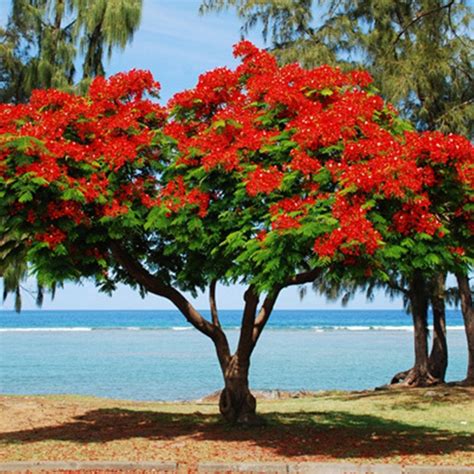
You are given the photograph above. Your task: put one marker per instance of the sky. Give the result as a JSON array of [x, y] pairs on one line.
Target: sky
[[176, 44]]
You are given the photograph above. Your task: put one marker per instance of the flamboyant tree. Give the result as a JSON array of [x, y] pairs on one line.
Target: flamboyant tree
[[423, 255], [262, 175]]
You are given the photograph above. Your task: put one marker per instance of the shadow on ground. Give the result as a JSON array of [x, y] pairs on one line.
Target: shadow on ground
[[333, 434]]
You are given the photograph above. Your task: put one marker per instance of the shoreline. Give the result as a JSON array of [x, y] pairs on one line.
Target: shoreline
[[262, 395]]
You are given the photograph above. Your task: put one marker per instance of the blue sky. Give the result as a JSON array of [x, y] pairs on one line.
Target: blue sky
[[177, 44]]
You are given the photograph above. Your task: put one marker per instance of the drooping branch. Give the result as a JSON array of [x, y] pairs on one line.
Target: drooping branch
[[213, 304], [152, 284]]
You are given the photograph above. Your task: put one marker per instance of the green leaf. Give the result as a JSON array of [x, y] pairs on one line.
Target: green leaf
[[326, 91], [25, 197]]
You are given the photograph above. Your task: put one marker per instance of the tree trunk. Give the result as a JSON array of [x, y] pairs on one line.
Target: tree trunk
[[468, 315], [419, 375], [236, 403], [438, 361]]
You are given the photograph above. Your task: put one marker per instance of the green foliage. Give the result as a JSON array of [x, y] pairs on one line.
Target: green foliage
[[44, 39]]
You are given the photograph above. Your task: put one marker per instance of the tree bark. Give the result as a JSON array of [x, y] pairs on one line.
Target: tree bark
[[419, 375], [438, 361], [468, 316], [236, 403]]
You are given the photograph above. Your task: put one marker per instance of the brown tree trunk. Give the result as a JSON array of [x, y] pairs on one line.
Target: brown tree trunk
[[438, 361], [236, 403], [419, 375], [468, 315]]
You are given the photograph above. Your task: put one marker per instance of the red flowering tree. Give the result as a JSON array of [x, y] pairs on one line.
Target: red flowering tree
[[261, 175], [432, 235]]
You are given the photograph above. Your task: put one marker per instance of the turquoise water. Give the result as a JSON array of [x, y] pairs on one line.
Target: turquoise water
[[156, 356]]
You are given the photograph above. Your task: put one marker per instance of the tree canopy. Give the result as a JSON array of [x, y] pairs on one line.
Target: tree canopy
[[263, 175]]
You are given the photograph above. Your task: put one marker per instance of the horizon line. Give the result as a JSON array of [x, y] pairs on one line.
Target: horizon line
[[207, 309]]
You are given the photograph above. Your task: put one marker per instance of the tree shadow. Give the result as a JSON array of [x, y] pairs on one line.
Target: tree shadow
[[334, 434]]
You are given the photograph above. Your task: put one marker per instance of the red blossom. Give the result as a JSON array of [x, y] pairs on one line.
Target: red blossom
[[304, 163], [53, 237], [416, 217], [263, 180]]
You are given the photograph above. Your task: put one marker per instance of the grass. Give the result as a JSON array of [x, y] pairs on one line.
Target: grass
[[416, 426]]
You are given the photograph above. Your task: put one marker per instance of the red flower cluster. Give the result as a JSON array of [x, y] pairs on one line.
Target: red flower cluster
[[264, 180], [354, 236], [288, 212], [276, 145], [416, 217], [68, 209], [304, 163], [76, 143], [175, 196], [53, 237]]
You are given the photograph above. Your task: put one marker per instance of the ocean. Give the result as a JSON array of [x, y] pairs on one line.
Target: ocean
[[156, 355]]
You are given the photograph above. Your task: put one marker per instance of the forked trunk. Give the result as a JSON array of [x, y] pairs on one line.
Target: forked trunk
[[468, 315], [419, 375], [236, 403], [438, 361]]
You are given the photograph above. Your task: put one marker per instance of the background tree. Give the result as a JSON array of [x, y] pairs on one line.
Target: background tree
[[45, 39]]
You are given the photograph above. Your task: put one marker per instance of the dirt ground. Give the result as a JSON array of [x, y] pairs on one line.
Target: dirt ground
[[419, 427]]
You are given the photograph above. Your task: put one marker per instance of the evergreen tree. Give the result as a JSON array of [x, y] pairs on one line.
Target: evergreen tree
[[419, 51], [44, 39]]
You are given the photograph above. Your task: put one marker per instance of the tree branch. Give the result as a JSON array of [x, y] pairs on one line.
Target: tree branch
[[304, 277], [152, 284], [418, 17], [395, 286], [212, 303], [245, 345], [455, 107], [264, 313]]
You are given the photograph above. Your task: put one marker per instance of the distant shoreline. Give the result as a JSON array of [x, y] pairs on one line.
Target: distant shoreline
[[232, 328]]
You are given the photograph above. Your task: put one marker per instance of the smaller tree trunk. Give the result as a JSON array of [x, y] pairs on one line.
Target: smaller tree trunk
[[438, 361], [468, 315], [236, 403], [419, 375]]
